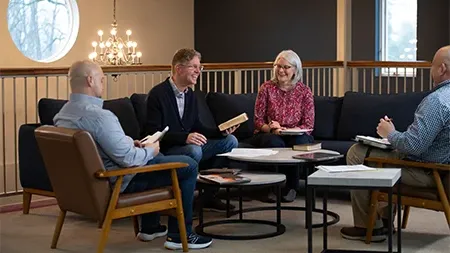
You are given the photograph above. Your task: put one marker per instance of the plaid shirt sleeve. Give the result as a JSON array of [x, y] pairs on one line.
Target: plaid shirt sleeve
[[429, 120]]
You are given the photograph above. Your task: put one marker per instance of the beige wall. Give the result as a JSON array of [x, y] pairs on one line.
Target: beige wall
[[159, 26]]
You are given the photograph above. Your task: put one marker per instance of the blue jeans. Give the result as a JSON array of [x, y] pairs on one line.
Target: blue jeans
[[187, 178], [269, 140], [208, 151]]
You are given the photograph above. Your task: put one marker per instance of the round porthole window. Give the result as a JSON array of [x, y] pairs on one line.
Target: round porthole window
[[43, 30]]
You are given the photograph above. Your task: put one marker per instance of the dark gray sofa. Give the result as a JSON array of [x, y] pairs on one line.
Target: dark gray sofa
[[338, 120]]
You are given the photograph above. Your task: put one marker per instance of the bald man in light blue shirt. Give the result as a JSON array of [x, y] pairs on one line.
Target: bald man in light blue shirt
[[85, 111]]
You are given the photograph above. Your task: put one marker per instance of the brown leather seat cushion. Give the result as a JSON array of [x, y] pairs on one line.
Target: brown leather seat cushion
[[418, 192], [131, 199]]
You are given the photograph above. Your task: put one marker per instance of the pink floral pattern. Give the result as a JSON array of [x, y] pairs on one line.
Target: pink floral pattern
[[294, 108]]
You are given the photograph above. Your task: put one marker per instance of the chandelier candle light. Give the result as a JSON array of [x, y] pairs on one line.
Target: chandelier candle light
[[114, 50]]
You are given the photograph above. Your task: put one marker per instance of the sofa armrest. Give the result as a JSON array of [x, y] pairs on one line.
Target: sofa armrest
[[31, 166]]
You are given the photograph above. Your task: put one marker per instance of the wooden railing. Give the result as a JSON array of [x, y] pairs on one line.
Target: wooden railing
[[22, 88], [388, 77]]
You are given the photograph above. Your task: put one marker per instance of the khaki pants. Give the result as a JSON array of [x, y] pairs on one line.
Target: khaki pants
[[361, 198]]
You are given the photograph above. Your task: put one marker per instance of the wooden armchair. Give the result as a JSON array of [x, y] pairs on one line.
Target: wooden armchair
[[81, 184], [429, 198]]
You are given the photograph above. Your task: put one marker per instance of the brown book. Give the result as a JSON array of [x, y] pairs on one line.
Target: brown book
[[224, 179], [307, 147], [233, 122]]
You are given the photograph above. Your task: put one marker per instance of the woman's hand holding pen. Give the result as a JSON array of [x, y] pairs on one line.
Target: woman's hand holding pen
[[275, 127], [274, 124], [385, 127]]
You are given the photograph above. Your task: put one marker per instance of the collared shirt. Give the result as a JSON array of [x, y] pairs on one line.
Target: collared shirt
[[293, 108], [116, 149], [179, 97], [428, 137]]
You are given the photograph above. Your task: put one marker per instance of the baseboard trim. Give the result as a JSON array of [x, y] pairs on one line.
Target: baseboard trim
[[34, 204]]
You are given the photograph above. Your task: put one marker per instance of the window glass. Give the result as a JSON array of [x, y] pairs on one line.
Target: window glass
[[43, 30]]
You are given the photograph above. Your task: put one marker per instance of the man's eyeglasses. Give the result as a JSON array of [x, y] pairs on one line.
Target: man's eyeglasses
[[200, 68], [285, 67]]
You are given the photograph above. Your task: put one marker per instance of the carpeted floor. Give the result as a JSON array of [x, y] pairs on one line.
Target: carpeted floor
[[427, 232]]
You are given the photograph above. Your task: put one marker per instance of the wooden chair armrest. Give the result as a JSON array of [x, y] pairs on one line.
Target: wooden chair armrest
[[132, 170], [403, 163]]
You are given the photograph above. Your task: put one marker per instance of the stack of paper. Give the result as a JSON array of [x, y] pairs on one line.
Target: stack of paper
[[345, 168], [249, 152]]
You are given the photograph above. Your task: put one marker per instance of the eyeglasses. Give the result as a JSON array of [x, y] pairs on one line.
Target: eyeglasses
[[200, 68], [285, 67]]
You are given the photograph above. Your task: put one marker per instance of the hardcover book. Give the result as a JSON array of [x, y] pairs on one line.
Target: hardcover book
[[233, 122], [307, 147]]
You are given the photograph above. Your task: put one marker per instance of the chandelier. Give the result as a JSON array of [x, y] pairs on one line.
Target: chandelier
[[114, 50]]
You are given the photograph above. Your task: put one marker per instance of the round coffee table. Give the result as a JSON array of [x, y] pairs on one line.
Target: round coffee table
[[257, 179], [284, 158]]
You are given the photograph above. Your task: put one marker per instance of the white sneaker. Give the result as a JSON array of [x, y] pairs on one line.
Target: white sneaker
[[160, 231], [194, 242]]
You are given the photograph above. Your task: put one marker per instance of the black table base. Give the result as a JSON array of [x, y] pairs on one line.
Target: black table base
[[279, 228], [310, 206], [335, 216], [309, 168]]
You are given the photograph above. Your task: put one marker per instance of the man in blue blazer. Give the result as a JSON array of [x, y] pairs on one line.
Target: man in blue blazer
[[172, 103]]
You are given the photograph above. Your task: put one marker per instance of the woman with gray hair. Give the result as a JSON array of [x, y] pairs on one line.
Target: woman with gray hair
[[284, 102]]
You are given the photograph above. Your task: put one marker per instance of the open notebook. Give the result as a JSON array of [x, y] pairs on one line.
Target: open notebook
[[374, 142], [294, 131], [155, 137]]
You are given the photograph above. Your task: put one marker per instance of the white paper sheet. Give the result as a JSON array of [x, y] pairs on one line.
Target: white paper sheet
[[345, 168], [249, 152]]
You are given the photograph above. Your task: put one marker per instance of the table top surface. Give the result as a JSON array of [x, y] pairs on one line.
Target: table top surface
[[257, 178], [284, 155], [386, 177]]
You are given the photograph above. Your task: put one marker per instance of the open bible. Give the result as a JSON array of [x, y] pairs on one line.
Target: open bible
[[233, 122], [374, 142], [155, 137]]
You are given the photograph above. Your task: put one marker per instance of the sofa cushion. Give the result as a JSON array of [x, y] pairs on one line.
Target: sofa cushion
[[48, 108], [226, 106], [340, 146], [205, 115], [139, 102], [31, 166], [121, 107], [361, 112], [327, 113]]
